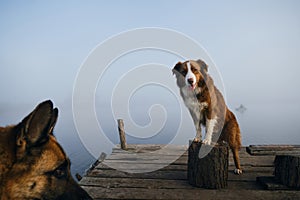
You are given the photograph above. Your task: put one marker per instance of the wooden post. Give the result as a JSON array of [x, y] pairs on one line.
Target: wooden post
[[122, 134], [210, 171], [78, 177], [287, 170]]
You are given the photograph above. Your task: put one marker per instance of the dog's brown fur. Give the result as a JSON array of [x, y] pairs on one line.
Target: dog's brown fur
[[211, 105], [32, 163]]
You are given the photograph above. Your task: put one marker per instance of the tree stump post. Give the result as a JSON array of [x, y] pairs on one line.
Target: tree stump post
[[287, 170], [122, 134], [210, 171]]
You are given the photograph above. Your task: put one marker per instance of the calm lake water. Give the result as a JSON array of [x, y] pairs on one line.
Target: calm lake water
[[260, 124]]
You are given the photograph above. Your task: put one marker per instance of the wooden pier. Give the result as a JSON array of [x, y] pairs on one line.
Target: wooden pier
[[170, 182]]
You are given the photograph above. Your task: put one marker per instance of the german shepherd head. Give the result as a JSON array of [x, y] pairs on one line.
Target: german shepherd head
[[32, 163]]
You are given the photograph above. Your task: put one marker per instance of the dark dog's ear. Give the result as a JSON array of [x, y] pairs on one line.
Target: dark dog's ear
[[53, 121], [36, 127], [177, 68], [202, 65]]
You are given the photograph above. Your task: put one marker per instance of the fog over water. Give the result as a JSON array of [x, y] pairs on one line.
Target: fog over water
[[254, 45]]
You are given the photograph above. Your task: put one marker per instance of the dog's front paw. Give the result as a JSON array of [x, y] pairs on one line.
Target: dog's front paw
[[206, 141], [196, 140], [238, 171]]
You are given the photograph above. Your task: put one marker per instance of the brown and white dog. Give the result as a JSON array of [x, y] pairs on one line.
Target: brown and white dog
[[207, 107]]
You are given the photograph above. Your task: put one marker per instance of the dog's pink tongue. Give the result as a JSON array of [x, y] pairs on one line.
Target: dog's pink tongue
[[191, 87]]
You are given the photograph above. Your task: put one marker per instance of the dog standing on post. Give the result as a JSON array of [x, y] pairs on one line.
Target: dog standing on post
[[207, 107]]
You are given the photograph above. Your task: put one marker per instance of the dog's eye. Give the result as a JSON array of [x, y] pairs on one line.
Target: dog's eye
[[194, 70], [182, 72], [60, 173]]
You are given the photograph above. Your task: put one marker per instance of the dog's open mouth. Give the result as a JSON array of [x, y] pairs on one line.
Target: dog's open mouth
[[192, 86]]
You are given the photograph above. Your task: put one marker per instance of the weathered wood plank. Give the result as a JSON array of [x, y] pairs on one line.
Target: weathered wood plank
[[124, 166], [143, 157], [145, 160], [141, 193], [254, 169], [256, 161], [175, 167], [155, 183], [275, 146], [170, 150], [119, 153], [270, 183], [273, 149], [170, 175], [142, 148], [250, 161], [135, 183], [170, 182]]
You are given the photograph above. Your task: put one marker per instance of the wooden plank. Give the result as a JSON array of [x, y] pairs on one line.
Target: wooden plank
[[270, 183], [160, 149], [135, 183], [170, 182], [257, 161], [124, 166], [249, 176], [254, 169], [143, 157], [170, 175], [174, 167], [273, 149], [143, 193], [145, 160], [140, 167], [250, 161], [275, 146], [142, 148], [155, 183]]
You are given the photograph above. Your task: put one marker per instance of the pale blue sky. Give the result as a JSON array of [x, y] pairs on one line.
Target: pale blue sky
[[255, 45]]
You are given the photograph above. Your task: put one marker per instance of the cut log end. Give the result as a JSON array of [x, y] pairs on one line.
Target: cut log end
[[287, 170], [210, 171]]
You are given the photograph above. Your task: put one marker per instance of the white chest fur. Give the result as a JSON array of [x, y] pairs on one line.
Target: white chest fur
[[195, 107]]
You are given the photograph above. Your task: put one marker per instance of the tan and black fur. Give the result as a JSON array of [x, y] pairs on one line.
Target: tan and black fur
[[32, 163], [207, 107]]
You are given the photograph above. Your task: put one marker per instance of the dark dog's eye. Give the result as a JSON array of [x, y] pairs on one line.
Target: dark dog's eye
[[60, 172], [195, 70], [182, 72]]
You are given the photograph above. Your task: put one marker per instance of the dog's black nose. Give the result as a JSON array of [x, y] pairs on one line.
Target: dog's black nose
[[190, 81]]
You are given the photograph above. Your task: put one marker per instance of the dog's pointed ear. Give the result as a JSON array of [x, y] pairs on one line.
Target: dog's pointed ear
[[36, 127], [177, 68], [53, 121], [202, 65]]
